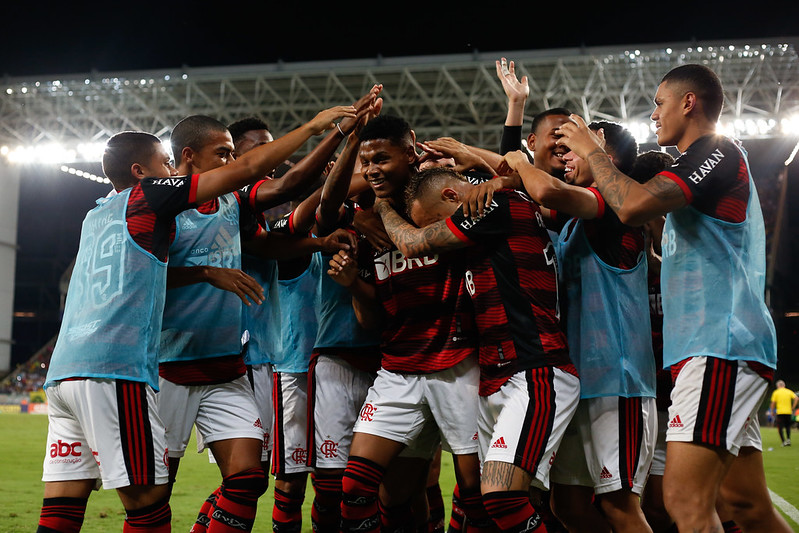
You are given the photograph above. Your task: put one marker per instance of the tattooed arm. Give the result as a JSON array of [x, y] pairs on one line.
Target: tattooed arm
[[413, 241], [633, 202]]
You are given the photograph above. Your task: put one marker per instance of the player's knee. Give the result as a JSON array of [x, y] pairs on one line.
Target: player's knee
[[252, 483]]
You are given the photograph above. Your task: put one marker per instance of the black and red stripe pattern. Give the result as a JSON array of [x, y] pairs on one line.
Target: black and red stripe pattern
[[278, 444], [512, 280], [429, 325], [631, 436], [539, 419], [62, 515], [715, 404], [136, 434]]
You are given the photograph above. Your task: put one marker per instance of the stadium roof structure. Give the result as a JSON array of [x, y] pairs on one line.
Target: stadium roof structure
[[449, 95]]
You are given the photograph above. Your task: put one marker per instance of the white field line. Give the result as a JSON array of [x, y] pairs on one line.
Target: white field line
[[784, 506]]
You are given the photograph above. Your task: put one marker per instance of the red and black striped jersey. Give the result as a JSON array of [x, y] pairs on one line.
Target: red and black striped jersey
[[714, 177], [152, 207], [430, 326], [512, 279]]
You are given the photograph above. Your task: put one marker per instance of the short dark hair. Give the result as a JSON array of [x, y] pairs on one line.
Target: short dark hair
[[650, 164], [240, 127], [701, 81], [619, 143], [389, 127], [193, 132], [122, 151], [425, 180], [540, 117]]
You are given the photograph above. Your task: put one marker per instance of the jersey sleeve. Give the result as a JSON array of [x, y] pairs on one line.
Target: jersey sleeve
[[167, 197], [249, 223], [714, 178], [495, 221]]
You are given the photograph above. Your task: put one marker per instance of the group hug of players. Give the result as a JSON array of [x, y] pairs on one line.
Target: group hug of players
[[493, 305]]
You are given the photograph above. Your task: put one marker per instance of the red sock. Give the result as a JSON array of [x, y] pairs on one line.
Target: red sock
[[287, 512], [237, 501], [63, 515], [359, 488], [731, 527], [326, 509], [155, 518], [477, 518], [456, 517], [512, 512], [204, 516]]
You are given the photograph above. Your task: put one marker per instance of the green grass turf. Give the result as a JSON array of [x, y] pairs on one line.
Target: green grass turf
[[22, 437]]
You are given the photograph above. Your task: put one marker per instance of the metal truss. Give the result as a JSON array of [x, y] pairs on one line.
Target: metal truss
[[455, 95]]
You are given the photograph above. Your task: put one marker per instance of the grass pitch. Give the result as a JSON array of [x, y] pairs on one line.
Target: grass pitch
[[23, 439]]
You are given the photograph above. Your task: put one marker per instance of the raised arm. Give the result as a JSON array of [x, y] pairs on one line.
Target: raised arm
[[275, 192], [633, 202], [260, 161]]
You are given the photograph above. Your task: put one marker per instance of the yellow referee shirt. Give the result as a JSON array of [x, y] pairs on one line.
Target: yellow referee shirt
[[782, 399]]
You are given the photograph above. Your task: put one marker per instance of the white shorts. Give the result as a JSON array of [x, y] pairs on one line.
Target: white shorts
[[105, 429], [290, 436], [715, 402], [524, 421], [221, 411], [603, 459], [398, 406], [658, 467], [260, 377], [337, 392]]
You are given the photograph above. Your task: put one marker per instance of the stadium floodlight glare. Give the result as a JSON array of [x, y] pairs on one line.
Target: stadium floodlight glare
[[54, 153]]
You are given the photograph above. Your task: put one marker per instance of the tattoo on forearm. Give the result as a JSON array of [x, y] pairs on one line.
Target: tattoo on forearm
[[615, 186], [413, 241]]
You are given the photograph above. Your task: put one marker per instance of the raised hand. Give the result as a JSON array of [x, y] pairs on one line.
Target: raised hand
[[326, 119], [364, 107], [580, 140], [515, 89], [337, 241]]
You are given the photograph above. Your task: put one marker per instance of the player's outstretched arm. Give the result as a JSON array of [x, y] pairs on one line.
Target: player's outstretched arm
[[633, 202], [262, 160], [417, 242], [550, 192], [228, 279], [280, 246], [275, 192]]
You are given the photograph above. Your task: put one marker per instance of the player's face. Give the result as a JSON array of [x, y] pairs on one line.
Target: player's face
[[547, 155], [668, 116], [251, 139], [577, 171], [216, 152], [386, 166], [160, 164]]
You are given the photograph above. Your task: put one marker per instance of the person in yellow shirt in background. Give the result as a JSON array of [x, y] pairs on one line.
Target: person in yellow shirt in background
[[783, 403]]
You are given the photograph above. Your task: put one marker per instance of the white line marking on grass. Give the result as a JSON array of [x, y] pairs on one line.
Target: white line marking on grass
[[784, 506]]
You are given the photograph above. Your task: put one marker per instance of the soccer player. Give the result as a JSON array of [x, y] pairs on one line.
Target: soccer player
[[718, 336], [428, 370], [107, 347], [202, 373], [528, 387]]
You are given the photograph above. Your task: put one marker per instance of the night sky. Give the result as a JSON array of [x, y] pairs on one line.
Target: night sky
[[79, 37]]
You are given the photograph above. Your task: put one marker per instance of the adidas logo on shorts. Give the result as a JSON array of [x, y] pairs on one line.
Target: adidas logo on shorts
[[499, 443], [605, 473], [676, 422], [258, 424]]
